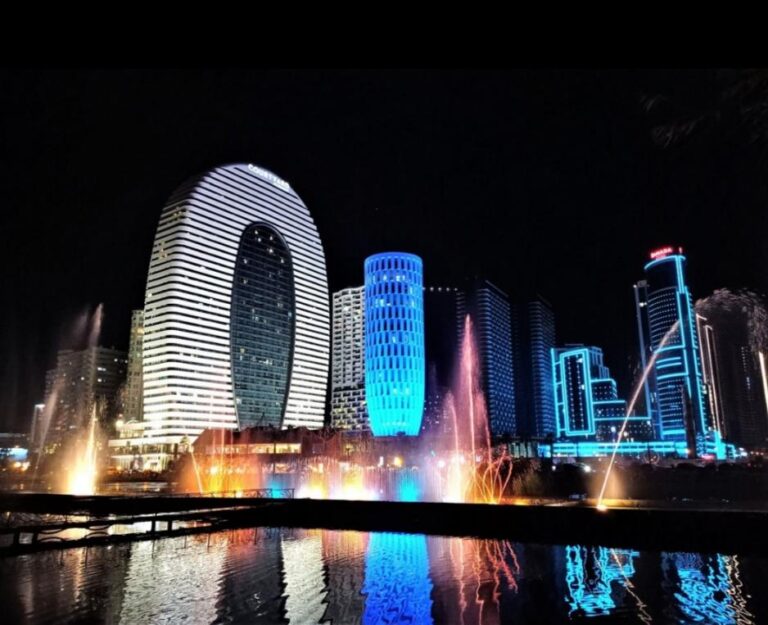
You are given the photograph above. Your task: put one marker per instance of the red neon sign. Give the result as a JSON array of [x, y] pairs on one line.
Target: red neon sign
[[662, 252]]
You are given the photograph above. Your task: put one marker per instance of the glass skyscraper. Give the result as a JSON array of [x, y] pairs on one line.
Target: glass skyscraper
[[675, 390], [488, 307], [394, 343], [236, 316], [533, 325]]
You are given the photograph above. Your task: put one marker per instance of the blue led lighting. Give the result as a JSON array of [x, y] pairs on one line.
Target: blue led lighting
[[397, 586], [394, 343], [677, 375], [703, 587], [595, 577], [598, 449], [586, 397]]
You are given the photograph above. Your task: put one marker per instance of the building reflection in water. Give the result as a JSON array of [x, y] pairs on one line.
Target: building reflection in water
[[705, 588], [305, 587], [597, 579], [174, 581], [62, 586], [251, 585], [317, 576], [344, 555], [397, 585]]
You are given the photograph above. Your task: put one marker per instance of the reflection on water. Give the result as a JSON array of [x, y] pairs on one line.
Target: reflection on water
[[707, 588], [397, 598], [597, 578], [318, 576]]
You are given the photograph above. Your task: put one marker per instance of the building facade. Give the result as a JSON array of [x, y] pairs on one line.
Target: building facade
[[733, 378], [489, 309], [236, 315], [394, 343], [586, 399], [348, 409], [533, 326], [134, 385], [83, 380], [710, 372], [668, 333]]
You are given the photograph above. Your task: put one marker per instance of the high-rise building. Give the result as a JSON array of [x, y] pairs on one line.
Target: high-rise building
[[134, 387], [81, 381], [488, 307], [236, 315], [441, 340], [667, 329], [348, 411], [533, 325], [733, 378], [394, 343], [586, 399], [710, 372]]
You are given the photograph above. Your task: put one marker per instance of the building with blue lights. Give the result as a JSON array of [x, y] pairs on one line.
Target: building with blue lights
[[533, 326], [488, 307], [596, 579], [587, 404], [397, 586], [675, 393], [394, 343], [707, 588]]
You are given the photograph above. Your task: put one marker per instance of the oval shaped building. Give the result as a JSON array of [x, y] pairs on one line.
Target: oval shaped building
[[236, 317], [394, 343]]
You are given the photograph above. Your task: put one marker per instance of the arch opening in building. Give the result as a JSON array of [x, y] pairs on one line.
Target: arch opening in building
[[236, 328]]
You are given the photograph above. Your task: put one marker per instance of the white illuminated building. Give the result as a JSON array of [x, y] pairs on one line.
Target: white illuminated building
[[236, 316], [348, 410]]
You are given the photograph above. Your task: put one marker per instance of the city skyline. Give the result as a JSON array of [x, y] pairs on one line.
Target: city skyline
[[570, 161], [415, 346]]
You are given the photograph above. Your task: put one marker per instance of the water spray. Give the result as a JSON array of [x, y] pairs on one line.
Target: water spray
[[630, 408]]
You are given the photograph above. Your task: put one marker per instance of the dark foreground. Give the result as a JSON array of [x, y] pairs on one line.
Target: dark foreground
[[653, 529]]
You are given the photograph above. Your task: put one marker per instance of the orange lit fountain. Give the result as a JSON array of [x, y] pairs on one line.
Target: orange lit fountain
[[461, 467], [474, 472], [83, 471]]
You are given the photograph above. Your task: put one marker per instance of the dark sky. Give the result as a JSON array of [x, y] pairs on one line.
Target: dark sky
[[540, 180]]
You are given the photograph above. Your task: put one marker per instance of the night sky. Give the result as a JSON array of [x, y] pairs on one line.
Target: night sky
[[542, 181]]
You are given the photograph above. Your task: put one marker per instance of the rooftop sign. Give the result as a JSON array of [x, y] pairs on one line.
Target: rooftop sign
[[269, 177]]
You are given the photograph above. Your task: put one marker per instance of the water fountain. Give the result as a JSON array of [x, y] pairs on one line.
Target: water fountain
[[474, 474], [75, 464], [631, 407], [84, 470], [461, 467]]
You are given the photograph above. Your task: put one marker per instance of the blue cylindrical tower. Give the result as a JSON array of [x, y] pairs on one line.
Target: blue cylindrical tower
[[394, 343]]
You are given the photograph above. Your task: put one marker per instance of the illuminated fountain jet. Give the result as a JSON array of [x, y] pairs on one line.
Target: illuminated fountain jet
[[474, 472], [84, 467]]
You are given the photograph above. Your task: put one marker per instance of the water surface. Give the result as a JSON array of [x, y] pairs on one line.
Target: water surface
[[320, 576]]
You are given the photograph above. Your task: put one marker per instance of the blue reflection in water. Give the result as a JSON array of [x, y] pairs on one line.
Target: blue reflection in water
[[590, 575], [397, 582], [704, 588]]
